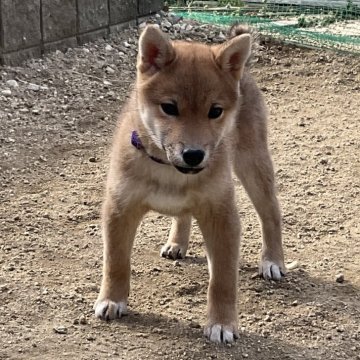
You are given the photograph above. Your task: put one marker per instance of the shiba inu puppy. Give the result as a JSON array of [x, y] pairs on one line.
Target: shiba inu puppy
[[194, 116]]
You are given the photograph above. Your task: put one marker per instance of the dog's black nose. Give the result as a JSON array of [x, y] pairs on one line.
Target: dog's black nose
[[193, 157]]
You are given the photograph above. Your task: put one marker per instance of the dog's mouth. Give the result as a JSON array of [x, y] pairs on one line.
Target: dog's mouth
[[188, 170]]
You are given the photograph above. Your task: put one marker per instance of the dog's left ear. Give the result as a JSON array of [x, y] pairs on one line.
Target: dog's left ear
[[233, 55], [155, 50]]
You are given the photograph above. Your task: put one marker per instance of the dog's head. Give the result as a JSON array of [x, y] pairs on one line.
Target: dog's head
[[188, 94]]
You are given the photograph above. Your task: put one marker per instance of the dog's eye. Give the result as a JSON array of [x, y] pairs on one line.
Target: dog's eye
[[215, 112], [170, 109]]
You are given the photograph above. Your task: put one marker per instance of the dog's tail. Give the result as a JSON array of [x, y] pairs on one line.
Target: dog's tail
[[239, 29]]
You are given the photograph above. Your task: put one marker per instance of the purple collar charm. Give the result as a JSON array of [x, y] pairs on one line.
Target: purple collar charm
[[136, 142]]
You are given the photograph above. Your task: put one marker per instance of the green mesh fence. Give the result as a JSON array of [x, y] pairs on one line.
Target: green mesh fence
[[326, 24]]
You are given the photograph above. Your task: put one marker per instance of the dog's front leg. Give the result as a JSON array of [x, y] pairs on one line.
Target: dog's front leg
[[119, 228], [221, 230]]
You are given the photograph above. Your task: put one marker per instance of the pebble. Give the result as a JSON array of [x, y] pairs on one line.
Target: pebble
[[12, 83], [33, 87], [82, 320], [142, 25], [109, 48], [177, 263], [110, 70], [293, 265], [339, 278], [60, 330], [6, 92], [166, 24], [3, 288]]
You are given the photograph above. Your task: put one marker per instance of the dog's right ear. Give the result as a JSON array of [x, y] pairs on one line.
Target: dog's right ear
[[155, 50]]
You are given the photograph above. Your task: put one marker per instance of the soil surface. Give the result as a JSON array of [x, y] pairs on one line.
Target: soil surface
[[56, 123]]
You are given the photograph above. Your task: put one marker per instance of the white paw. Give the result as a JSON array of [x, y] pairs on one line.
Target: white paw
[[173, 251], [269, 270], [220, 333], [110, 310]]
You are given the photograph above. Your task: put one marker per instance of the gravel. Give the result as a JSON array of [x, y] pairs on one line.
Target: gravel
[[51, 194]]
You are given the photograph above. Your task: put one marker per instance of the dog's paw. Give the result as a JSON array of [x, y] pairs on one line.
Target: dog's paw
[[270, 270], [173, 251], [110, 310], [221, 333]]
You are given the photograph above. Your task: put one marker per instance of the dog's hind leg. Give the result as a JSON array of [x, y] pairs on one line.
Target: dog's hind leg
[[177, 244], [255, 170]]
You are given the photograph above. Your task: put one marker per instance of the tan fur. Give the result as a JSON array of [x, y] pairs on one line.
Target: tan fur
[[196, 77]]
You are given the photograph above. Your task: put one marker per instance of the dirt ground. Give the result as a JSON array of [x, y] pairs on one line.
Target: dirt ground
[[55, 131]]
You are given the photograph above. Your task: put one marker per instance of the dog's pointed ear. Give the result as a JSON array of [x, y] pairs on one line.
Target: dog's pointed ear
[[155, 50], [233, 55]]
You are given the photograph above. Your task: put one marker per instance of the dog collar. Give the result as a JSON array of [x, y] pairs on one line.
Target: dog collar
[[136, 142]]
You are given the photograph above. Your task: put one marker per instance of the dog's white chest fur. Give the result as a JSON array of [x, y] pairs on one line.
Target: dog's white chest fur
[[167, 194], [166, 203]]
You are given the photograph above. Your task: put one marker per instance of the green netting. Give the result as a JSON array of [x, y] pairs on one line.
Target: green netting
[[326, 24]]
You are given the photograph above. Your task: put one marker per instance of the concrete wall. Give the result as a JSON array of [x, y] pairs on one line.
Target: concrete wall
[[30, 28]]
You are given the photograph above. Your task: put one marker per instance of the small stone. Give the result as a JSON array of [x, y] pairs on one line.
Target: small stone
[[82, 320], [267, 318], [60, 330], [339, 278], [92, 159], [294, 303], [12, 83], [3, 288], [195, 325], [109, 48], [109, 70], [166, 24], [328, 337], [142, 25], [6, 92], [107, 83], [323, 161], [292, 265], [177, 263], [33, 87]]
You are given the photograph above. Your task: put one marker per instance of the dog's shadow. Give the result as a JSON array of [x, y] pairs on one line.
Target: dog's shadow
[[191, 344], [297, 287]]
